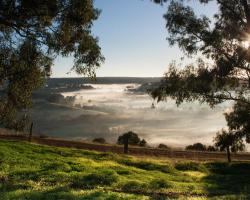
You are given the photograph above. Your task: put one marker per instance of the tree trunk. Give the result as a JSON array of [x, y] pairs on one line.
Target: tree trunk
[[31, 129], [126, 145], [228, 154]]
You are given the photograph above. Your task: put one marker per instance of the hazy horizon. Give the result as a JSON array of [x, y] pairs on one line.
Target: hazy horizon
[[109, 109]]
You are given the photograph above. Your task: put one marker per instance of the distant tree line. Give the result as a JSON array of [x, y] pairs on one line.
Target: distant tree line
[[200, 147], [224, 141]]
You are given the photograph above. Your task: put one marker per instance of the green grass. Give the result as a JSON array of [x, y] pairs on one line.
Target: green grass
[[30, 171]]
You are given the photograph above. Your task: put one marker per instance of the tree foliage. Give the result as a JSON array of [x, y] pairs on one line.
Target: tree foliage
[[163, 146], [222, 47], [99, 140], [32, 34], [229, 141], [226, 139], [238, 120], [212, 148], [133, 138], [196, 147], [143, 143]]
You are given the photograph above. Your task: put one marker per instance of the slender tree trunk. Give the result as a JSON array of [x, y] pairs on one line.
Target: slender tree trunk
[[31, 129], [228, 154], [126, 145]]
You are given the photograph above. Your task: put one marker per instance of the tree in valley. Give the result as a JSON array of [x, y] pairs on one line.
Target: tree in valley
[[221, 46], [32, 34], [128, 138], [226, 140], [196, 147]]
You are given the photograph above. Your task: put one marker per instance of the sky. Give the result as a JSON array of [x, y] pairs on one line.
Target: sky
[[132, 36]]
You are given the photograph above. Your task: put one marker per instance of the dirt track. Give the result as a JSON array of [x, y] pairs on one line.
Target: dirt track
[[175, 154]]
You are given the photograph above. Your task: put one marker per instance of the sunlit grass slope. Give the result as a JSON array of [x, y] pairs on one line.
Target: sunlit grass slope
[[30, 171]]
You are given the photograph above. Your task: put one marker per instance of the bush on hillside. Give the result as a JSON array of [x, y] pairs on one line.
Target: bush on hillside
[[143, 143], [163, 146], [101, 178], [160, 183]]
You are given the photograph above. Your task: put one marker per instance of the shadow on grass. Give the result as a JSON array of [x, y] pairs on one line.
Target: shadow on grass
[[149, 166], [229, 179]]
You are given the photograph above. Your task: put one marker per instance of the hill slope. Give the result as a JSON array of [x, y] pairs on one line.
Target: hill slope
[[30, 171]]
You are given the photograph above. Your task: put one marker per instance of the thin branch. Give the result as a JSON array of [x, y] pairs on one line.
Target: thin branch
[[227, 98]]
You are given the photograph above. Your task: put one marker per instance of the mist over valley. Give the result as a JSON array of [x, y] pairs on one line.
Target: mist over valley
[[83, 109]]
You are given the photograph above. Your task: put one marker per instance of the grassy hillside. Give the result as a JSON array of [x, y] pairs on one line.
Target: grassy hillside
[[30, 171]]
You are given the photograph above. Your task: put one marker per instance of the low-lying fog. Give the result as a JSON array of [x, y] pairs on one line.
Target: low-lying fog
[[110, 110]]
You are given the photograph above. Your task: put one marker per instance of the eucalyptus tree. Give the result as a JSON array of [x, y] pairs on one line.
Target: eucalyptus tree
[[32, 34], [128, 138], [227, 140], [221, 46]]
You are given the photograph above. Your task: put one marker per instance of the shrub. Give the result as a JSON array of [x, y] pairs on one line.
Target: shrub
[[99, 140], [143, 143], [159, 184], [149, 166], [77, 167], [123, 172], [163, 146], [102, 178], [190, 166], [57, 166], [133, 186]]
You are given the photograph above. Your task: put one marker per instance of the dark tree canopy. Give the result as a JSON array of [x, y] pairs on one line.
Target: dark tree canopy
[[196, 147], [32, 34], [238, 120], [229, 141], [143, 143], [130, 136], [222, 48], [212, 148], [99, 140], [163, 146]]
